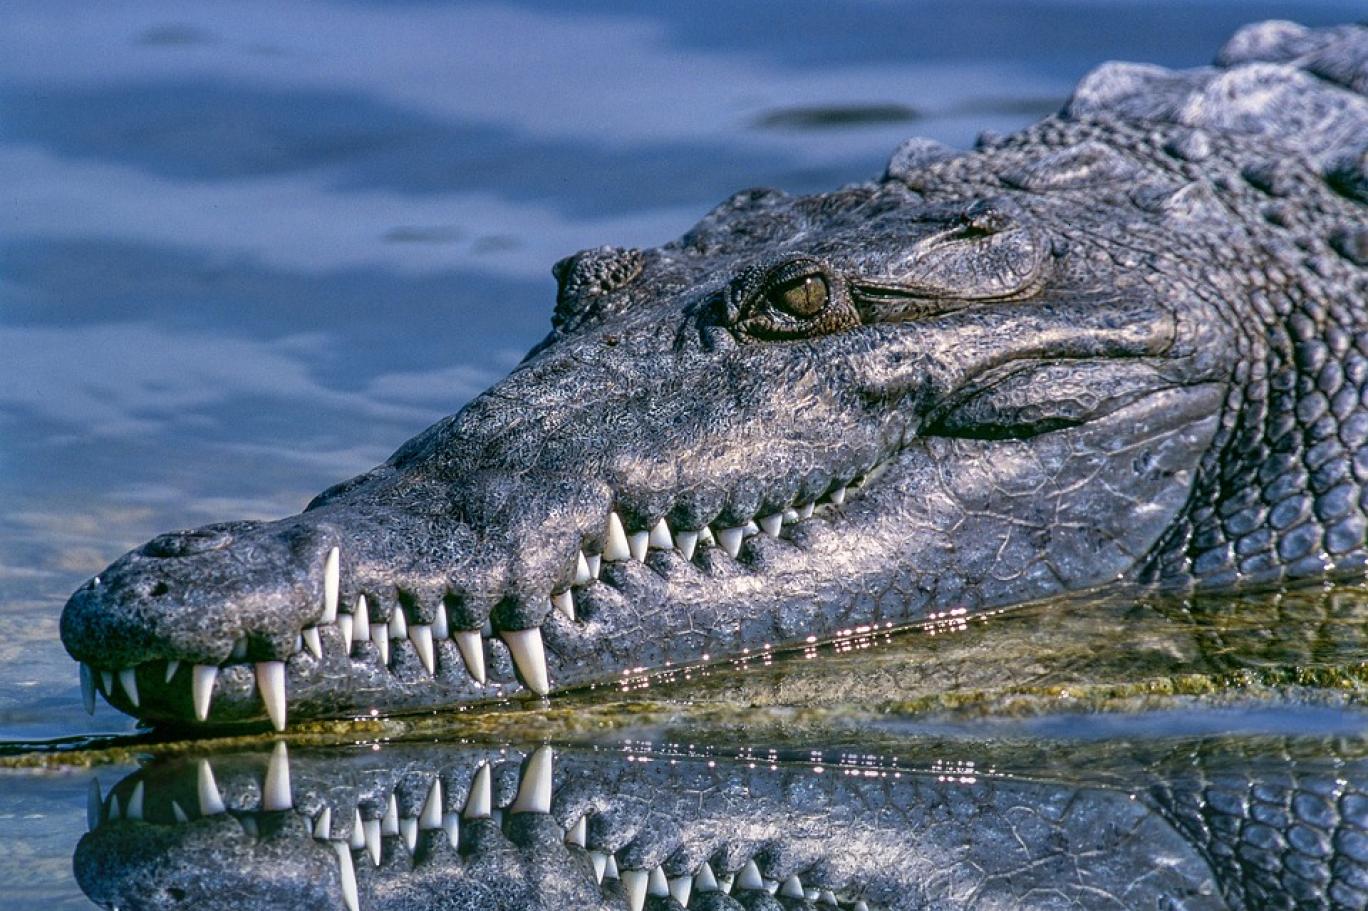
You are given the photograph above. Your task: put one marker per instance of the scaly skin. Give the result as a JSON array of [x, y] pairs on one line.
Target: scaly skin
[[1205, 827], [1127, 342]]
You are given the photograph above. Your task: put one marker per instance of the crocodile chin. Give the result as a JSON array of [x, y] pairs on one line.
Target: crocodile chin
[[1089, 351]]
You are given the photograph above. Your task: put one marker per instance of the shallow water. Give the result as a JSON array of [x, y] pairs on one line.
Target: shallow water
[[248, 249]]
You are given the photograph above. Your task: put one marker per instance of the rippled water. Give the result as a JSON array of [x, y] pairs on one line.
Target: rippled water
[[248, 249]]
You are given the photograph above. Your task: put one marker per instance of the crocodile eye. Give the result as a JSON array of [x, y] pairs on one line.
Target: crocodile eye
[[804, 296]]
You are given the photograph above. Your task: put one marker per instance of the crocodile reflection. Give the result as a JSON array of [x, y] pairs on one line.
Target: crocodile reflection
[[1283, 823]]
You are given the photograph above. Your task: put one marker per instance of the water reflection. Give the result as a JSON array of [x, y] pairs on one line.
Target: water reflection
[[1215, 823]]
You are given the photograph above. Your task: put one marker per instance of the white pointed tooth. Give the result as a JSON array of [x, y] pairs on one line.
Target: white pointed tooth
[[322, 828], [705, 536], [634, 884], [661, 539], [725, 881], [239, 651], [398, 624], [135, 803], [441, 629], [371, 830], [202, 688], [600, 862], [565, 603], [361, 619], [859, 906], [749, 878], [792, 888], [582, 574], [113, 812], [178, 813], [578, 833], [270, 678], [610, 867], [275, 793], [729, 539], [330, 585], [657, 884], [615, 547], [703, 880], [805, 512], [529, 657], [430, 817], [421, 637], [210, 801], [347, 873], [790, 516], [357, 840], [595, 563], [128, 679], [408, 827], [497, 814], [389, 823], [471, 647], [451, 824], [686, 541], [751, 528], [681, 887], [379, 634], [771, 525], [827, 898], [94, 804], [107, 683], [344, 626], [171, 667], [837, 496], [637, 542], [87, 688], [480, 799], [313, 642], [299, 643], [534, 791]]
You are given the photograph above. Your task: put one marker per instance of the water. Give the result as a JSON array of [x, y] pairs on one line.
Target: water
[[248, 249]]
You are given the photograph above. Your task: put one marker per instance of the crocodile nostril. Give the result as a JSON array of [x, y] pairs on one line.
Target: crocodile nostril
[[185, 543], [158, 590]]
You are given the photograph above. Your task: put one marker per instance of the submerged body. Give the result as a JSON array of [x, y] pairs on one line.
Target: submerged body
[[1127, 342]]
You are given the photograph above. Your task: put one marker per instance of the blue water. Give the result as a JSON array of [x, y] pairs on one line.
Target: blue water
[[247, 249]]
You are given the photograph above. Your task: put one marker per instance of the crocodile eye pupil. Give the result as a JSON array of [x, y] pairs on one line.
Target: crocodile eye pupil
[[803, 297]]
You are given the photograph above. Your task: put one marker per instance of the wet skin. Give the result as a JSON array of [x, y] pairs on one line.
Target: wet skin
[[1125, 343]]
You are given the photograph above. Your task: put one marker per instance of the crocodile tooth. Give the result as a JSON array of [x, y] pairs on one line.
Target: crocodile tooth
[[330, 586], [389, 823], [805, 512], [430, 817], [837, 496], [129, 681], [408, 827], [358, 833], [202, 679], [471, 647], [729, 539], [134, 810], [634, 884], [344, 626], [771, 525], [610, 867], [210, 801], [178, 813], [686, 541], [451, 824], [270, 677], [347, 874], [94, 804], [703, 880], [322, 827], [361, 619], [827, 897], [249, 826], [421, 637], [790, 516], [313, 642], [441, 629], [637, 542], [565, 603], [705, 536], [172, 666], [275, 793], [529, 658], [478, 801], [582, 574], [660, 536], [298, 644], [657, 885], [681, 887], [793, 888], [749, 879], [600, 862], [615, 548], [239, 651], [594, 562], [398, 624], [751, 528], [725, 881], [859, 906], [534, 791], [112, 812], [379, 634], [87, 688], [578, 833], [370, 828], [107, 682]]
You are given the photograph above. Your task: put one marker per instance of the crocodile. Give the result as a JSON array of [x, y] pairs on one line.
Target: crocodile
[[1127, 342], [1271, 822]]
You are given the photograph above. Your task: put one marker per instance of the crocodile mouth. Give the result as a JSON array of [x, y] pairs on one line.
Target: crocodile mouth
[[396, 822]]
